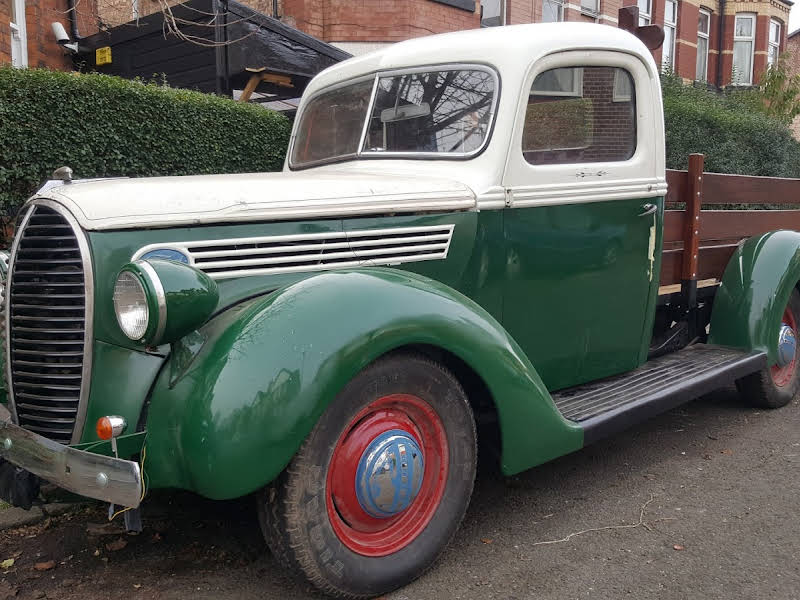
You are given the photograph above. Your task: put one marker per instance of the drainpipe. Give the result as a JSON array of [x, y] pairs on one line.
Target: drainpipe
[[72, 15], [720, 35]]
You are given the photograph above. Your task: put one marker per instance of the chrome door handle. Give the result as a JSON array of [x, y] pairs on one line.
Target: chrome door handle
[[648, 209]]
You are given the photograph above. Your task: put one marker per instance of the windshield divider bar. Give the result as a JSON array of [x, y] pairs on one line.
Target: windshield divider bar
[[370, 107]]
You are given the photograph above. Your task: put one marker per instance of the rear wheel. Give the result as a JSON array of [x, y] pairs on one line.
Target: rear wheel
[[380, 485], [777, 385]]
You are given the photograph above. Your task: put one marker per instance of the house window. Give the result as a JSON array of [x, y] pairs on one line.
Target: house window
[[492, 13], [552, 11], [644, 12], [703, 28], [596, 124], [559, 82], [774, 42], [623, 86], [744, 35], [19, 35], [590, 7], [670, 27]]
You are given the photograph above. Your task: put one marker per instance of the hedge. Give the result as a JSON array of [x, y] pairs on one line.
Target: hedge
[[731, 129], [103, 126]]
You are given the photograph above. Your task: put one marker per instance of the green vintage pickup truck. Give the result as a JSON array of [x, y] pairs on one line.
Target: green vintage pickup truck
[[462, 254]]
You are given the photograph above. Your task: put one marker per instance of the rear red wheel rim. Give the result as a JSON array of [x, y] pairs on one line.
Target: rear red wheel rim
[[782, 376], [358, 530]]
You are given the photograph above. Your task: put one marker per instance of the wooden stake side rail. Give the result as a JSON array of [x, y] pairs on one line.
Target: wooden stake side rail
[[719, 231]]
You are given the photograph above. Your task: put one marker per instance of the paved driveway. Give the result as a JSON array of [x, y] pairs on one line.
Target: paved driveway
[[701, 502]]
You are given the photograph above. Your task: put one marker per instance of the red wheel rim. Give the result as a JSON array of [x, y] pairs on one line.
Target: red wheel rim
[[358, 530], [782, 376]]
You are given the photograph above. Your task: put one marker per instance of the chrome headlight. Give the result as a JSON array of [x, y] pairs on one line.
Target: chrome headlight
[[130, 305], [159, 301]]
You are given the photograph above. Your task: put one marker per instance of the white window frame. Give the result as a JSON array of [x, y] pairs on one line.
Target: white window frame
[[645, 16], [772, 44], [672, 25], [590, 7], [740, 38], [704, 35], [560, 5], [501, 7], [575, 92], [642, 169], [19, 35]]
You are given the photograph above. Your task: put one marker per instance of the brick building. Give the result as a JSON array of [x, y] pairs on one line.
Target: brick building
[[26, 37], [752, 32], [722, 42]]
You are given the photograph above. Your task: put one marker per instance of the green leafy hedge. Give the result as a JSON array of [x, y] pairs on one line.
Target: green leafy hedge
[[104, 126], [731, 129]]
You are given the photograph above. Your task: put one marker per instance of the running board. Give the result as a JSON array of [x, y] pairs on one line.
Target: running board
[[607, 406]]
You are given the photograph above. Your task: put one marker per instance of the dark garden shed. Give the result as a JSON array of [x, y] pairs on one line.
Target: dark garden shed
[[220, 47]]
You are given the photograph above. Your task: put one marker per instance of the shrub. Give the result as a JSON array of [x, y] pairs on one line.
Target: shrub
[[732, 129], [103, 126]]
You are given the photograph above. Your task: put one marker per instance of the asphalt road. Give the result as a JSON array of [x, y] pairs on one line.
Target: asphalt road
[[701, 502]]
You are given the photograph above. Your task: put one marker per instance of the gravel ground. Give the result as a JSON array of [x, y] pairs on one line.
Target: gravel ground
[[698, 503]]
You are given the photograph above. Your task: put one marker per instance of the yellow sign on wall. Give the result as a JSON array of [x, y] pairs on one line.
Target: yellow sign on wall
[[102, 56]]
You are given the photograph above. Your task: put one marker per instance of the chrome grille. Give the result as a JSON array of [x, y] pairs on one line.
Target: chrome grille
[[47, 317], [240, 257]]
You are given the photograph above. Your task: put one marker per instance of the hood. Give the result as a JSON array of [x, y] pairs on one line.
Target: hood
[[173, 201]]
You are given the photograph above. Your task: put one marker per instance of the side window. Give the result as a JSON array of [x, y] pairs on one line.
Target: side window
[[580, 115]]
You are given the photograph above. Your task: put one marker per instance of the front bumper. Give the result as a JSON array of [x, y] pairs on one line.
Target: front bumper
[[93, 475]]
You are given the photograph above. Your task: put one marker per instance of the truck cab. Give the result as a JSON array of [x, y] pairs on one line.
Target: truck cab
[[463, 253]]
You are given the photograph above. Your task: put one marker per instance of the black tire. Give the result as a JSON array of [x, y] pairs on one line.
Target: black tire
[[294, 513], [766, 389]]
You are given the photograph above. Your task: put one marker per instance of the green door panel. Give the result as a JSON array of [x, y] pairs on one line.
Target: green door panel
[[121, 381], [580, 280], [229, 418], [755, 288]]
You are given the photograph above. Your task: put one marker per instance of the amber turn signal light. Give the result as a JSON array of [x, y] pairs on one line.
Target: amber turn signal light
[[110, 427]]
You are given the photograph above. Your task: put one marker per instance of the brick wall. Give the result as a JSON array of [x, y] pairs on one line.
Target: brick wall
[[338, 20], [377, 20], [116, 12], [5, 31], [43, 51]]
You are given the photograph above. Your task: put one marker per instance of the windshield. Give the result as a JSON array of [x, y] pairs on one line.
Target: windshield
[[445, 112]]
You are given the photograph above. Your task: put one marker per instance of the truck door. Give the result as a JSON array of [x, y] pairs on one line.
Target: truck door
[[585, 178]]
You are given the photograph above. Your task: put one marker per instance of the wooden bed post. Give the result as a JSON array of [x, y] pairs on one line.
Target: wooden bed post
[[691, 231]]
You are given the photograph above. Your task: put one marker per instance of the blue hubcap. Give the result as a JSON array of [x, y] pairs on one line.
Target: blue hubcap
[[389, 474], [787, 345]]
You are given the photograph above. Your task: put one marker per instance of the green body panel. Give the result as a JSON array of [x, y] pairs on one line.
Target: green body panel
[[263, 372], [118, 247], [580, 280], [121, 381], [755, 289]]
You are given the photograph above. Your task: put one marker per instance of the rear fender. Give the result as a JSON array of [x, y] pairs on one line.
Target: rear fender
[[755, 289], [239, 397]]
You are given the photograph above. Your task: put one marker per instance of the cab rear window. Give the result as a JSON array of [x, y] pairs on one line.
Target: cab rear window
[[580, 115]]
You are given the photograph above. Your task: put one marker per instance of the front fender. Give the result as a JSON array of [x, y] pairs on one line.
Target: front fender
[[755, 288], [226, 418]]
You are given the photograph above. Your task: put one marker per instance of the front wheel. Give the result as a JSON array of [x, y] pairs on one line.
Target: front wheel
[[380, 485], [777, 385]]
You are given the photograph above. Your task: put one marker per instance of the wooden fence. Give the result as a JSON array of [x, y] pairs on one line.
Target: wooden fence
[[712, 235]]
